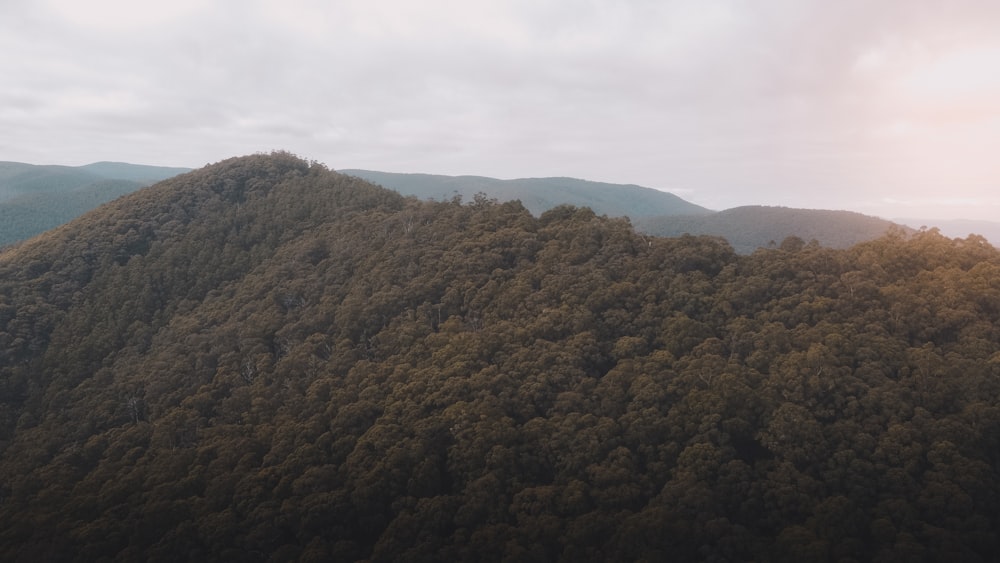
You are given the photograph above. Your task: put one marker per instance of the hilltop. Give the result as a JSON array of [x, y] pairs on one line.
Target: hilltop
[[266, 360]]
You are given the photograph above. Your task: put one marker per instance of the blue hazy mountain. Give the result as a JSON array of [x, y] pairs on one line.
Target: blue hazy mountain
[[36, 198], [651, 211], [539, 194], [755, 226]]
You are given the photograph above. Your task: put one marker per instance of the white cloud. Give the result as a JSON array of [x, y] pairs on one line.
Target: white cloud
[[119, 16], [776, 102]]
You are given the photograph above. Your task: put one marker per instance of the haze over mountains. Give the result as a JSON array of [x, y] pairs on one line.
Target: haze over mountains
[[539, 194], [752, 227], [957, 228], [265, 360], [35, 198], [651, 211]]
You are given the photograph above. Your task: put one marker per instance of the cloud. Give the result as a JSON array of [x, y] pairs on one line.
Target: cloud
[[124, 17], [777, 102]]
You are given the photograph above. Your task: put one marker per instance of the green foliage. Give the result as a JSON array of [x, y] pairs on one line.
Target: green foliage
[[267, 360]]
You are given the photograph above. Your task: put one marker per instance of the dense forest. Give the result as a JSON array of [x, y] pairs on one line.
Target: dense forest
[[265, 360]]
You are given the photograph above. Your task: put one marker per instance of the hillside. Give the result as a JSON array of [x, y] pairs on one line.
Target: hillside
[[538, 194], [264, 360], [752, 227], [34, 199]]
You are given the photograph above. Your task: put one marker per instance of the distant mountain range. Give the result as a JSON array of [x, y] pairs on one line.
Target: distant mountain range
[[651, 211], [539, 194], [36, 198], [751, 227]]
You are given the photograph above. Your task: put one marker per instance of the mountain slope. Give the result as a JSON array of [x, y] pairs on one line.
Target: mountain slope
[[27, 215], [263, 360], [539, 194], [18, 179], [751, 227], [34, 198]]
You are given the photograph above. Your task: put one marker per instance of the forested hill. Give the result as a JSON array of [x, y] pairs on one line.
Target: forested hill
[[539, 194], [652, 211], [264, 360], [35, 198], [751, 227]]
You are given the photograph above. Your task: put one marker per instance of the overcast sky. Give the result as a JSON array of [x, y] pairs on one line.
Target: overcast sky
[[887, 107]]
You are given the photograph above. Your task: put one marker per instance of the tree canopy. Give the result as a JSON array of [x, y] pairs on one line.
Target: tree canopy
[[265, 360]]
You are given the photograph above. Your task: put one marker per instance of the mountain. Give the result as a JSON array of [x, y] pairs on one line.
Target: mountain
[[19, 179], [539, 194], [36, 198], [752, 227], [652, 211], [265, 360], [135, 172]]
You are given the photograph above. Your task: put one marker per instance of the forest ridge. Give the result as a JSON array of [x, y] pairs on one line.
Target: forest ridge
[[265, 360], [34, 199], [652, 211]]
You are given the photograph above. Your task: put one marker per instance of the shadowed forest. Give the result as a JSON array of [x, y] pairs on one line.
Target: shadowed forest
[[265, 360]]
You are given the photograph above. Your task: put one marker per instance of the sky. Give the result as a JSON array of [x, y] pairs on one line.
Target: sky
[[886, 107]]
